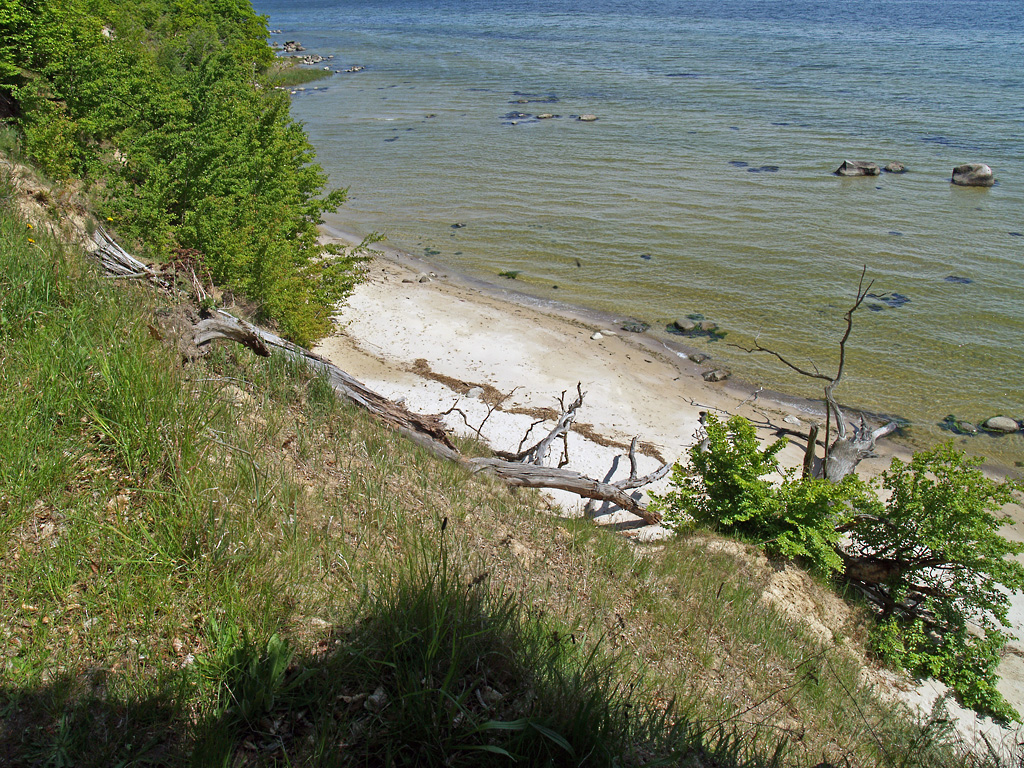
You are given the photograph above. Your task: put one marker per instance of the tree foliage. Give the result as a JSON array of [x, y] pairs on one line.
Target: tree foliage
[[929, 558], [162, 106], [945, 598], [729, 487]]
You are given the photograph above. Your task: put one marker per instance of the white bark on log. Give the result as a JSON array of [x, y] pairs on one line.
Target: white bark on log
[[426, 431]]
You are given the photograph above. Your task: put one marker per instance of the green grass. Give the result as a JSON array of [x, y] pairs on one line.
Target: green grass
[[219, 564], [290, 75]]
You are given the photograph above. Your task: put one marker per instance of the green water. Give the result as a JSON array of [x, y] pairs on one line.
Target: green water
[[653, 211]]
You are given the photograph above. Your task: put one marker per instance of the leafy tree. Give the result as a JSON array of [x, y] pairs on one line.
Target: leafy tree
[[932, 559], [162, 102], [929, 559], [729, 488]]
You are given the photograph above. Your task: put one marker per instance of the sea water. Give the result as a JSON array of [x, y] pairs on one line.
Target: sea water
[[705, 186]]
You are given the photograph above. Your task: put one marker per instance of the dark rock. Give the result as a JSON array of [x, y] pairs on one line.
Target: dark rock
[[719, 374], [956, 279], [890, 299], [458, 226], [895, 167], [1002, 424], [857, 168], [635, 326], [738, 163], [645, 256], [958, 426], [973, 175]]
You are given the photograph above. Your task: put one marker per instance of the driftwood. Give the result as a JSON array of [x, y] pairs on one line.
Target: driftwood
[[848, 450], [524, 469]]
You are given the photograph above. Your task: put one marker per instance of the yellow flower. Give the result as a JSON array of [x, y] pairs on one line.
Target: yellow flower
[[29, 226], [109, 218], [32, 241]]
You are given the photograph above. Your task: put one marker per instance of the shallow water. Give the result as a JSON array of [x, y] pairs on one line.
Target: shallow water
[[705, 186]]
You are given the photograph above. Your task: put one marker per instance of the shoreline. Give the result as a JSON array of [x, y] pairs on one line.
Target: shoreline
[[734, 395]]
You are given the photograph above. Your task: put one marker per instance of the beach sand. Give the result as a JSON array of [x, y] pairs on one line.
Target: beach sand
[[430, 342], [423, 335]]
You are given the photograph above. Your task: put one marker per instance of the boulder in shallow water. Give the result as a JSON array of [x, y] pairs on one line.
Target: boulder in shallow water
[[685, 324], [857, 168], [635, 326], [587, 118], [1001, 424], [973, 175], [719, 374], [895, 167]]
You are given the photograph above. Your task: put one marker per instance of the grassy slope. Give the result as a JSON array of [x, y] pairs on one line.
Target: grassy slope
[[221, 564]]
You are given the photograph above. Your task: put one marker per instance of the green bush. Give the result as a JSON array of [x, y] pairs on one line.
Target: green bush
[[165, 108], [728, 489], [930, 559], [947, 592]]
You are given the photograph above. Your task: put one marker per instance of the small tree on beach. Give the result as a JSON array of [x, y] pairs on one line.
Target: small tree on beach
[[929, 560]]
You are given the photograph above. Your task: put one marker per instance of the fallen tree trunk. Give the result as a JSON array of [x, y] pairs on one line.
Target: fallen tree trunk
[[425, 430]]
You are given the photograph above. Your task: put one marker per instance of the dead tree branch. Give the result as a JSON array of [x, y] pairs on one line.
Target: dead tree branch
[[426, 431], [844, 453]]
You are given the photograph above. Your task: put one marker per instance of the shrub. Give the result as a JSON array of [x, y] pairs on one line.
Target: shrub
[[729, 490]]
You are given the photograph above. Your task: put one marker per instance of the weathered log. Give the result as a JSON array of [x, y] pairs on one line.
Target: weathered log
[[430, 433], [228, 327], [847, 452], [425, 430], [534, 476]]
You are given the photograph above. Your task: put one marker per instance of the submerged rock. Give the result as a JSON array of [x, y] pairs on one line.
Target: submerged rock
[[719, 374], [587, 118], [973, 175], [895, 167], [1002, 424], [635, 326], [857, 168]]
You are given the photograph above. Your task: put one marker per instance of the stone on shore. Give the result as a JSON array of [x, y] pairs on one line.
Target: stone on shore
[[719, 374], [857, 168], [1001, 424], [973, 175], [635, 326]]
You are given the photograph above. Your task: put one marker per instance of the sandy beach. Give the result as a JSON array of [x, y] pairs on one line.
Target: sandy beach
[[440, 340]]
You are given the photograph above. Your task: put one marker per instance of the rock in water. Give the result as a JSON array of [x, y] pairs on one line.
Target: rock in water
[[973, 175], [1001, 424], [635, 326], [685, 325], [857, 168], [719, 374], [587, 118], [895, 167]]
